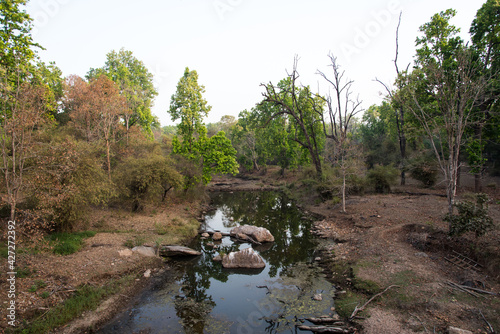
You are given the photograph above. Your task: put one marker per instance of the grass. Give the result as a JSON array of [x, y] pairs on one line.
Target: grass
[[86, 298], [68, 243], [345, 303]]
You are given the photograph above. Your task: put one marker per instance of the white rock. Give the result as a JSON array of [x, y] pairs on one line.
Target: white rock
[[144, 251], [147, 273]]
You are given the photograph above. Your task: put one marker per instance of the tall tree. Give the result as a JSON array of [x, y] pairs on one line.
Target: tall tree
[[188, 105], [304, 112], [485, 35], [342, 108], [135, 83], [444, 89], [214, 154]]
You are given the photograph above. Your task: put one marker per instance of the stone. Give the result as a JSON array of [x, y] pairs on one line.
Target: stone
[[205, 235], [317, 259], [217, 258], [144, 251], [125, 252], [246, 258], [259, 234], [175, 250], [217, 236], [455, 330], [318, 297], [147, 273]]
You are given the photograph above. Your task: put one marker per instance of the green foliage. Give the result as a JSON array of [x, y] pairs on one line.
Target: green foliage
[[214, 154], [135, 83], [146, 177], [425, 171], [138, 240], [69, 243], [471, 217], [381, 178]]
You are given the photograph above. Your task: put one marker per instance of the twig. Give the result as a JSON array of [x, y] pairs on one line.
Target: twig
[[486, 321], [356, 309], [458, 287], [425, 328]]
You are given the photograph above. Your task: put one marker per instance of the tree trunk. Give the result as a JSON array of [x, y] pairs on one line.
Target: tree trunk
[[343, 190], [478, 182], [108, 158]]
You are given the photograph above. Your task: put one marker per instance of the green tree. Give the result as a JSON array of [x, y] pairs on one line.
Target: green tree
[[214, 154], [188, 105], [304, 112], [135, 83]]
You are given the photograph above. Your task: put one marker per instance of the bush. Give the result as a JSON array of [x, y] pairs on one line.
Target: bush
[[424, 171], [69, 243], [151, 176], [472, 217], [381, 178]]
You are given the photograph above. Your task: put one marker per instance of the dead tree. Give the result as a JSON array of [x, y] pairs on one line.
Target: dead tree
[[340, 113], [399, 111]]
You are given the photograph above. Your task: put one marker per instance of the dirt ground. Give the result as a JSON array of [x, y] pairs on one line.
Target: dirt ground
[[394, 239]]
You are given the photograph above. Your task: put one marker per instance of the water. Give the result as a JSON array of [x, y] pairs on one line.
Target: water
[[202, 297]]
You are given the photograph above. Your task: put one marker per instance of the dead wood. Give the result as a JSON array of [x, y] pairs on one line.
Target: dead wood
[[323, 329], [356, 309]]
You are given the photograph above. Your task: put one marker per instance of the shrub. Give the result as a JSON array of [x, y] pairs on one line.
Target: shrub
[[425, 172], [381, 178], [471, 217]]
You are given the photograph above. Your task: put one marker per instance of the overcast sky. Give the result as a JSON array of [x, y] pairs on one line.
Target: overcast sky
[[235, 45]]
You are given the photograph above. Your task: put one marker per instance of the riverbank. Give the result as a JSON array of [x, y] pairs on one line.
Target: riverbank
[[382, 240], [400, 240], [81, 290]]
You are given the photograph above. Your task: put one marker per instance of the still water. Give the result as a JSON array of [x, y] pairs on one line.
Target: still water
[[199, 296]]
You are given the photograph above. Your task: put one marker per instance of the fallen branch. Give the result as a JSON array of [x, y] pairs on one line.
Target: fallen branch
[[323, 329], [486, 321], [356, 309], [460, 288], [325, 320]]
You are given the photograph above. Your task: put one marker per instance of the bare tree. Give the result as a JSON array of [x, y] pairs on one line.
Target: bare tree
[[341, 111], [454, 95], [399, 109], [18, 138]]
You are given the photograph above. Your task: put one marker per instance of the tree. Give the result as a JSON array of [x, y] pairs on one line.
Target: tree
[[19, 139], [214, 154], [341, 111], [304, 112], [399, 110], [94, 110], [188, 105], [485, 35], [135, 83], [444, 89]]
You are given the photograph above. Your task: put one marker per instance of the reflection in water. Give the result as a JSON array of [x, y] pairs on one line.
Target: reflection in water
[[202, 297]]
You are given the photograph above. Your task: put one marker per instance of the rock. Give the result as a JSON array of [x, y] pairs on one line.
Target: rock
[[317, 259], [175, 250], [147, 273], [455, 330], [205, 235], [145, 251], [217, 236], [259, 234], [246, 258], [318, 297], [210, 244], [217, 258], [125, 252]]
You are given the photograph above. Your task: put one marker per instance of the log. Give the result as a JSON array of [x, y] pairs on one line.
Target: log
[[175, 250], [325, 320], [323, 329]]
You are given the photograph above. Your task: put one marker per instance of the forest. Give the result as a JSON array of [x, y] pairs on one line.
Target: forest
[[71, 145]]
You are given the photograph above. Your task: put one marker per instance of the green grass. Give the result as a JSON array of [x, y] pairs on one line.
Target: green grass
[[345, 303], [86, 298], [68, 243]]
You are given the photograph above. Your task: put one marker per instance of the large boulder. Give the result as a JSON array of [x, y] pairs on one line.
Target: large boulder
[[246, 258], [144, 251], [259, 234]]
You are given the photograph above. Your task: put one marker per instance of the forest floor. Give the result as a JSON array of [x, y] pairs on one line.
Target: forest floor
[[394, 239]]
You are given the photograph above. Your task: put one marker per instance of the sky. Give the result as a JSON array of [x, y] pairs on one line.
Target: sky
[[236, 45]]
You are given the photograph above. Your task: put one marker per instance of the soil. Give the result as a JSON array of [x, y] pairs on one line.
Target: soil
[[398, 238]]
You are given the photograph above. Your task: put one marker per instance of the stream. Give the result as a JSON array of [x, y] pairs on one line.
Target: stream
[[199, 296]]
